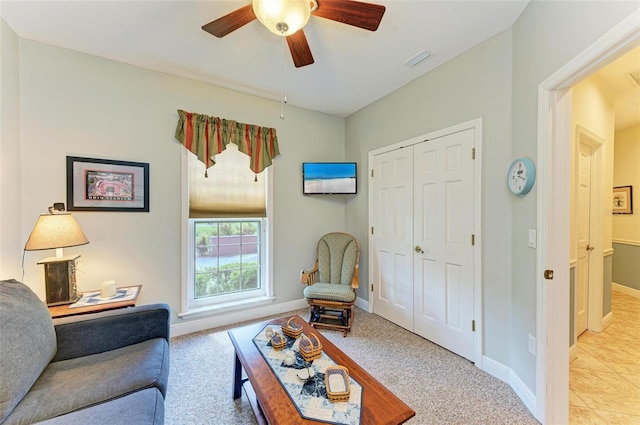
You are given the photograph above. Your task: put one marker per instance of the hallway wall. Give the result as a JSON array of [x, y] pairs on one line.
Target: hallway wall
[[626, 227]]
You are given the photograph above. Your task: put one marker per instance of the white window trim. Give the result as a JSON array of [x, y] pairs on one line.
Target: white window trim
[[265, 297]]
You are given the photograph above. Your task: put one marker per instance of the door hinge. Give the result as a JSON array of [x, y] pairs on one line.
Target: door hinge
[[473, 153], [372, 287], [372, 172], [473, 240], [473, 326], [372, 230]]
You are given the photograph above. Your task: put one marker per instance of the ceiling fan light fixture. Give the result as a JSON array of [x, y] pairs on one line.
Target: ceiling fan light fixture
[[283, 17]]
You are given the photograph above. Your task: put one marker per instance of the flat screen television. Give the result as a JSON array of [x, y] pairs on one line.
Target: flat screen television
[[329, 178]]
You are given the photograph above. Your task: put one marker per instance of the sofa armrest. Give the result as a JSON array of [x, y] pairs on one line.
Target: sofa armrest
[[88, 334]]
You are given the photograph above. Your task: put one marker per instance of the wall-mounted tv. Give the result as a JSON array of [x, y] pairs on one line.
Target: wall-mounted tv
[[329, 178]]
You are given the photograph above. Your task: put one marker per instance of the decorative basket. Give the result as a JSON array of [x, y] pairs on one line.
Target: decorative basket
[[292, 328], [278, 342], [336, 379], [310, 347]]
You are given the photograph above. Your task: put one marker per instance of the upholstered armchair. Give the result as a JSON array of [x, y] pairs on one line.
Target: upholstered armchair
[[332, 283]]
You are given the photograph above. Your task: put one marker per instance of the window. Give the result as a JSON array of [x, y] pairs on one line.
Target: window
[[227, 236], [227, 257]]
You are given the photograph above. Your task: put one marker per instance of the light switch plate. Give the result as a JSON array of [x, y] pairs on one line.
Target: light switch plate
[[532, 238]]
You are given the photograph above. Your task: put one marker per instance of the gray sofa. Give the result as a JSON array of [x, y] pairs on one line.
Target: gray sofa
[[105, 368]]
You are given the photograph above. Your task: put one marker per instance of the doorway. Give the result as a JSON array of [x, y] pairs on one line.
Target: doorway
[[554, 121], [588, 224]]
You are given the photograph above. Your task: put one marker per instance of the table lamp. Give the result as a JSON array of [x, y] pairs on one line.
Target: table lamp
[[58, 230]]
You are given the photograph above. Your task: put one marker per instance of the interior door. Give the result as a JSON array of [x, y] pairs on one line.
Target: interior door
[[442, 232], [422, 266], [392, 240], [583, 220]]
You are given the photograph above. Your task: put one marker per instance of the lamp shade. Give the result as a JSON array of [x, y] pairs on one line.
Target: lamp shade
[[55, 231], [294, 14]]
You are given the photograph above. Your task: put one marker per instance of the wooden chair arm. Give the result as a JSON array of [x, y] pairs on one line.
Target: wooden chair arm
[[310, 277], [355, 280]]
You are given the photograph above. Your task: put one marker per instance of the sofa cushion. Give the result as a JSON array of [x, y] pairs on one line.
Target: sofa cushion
[[27, 340], [144, 407], [77, 383]]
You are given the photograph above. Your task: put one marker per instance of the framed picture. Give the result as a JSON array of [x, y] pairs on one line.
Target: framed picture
[[107, 185], [623, 200]]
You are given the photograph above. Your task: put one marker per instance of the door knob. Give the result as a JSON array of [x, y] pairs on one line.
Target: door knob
[[590, 248], [419, 249]]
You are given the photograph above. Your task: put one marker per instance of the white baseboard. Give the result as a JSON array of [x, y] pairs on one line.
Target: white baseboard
[[363, 304], [625, 290], [496, 369], [573, 352], [225, 319], [507, 375], [522, 391]]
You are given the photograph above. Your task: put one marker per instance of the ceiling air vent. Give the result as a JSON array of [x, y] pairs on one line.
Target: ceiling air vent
[[419, 57], [634, 77]]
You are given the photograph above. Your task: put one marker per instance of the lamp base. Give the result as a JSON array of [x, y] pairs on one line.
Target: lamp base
[[60, 280]]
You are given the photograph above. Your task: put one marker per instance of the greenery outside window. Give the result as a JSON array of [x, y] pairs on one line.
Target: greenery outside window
[[227, 259]]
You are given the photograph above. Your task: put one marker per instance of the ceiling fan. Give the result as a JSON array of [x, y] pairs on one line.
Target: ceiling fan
[[287, 17]]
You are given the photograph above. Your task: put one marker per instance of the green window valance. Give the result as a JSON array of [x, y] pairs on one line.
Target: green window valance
[[207, 136]]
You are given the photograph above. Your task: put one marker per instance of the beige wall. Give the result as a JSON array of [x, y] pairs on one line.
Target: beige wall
[[627, 173], [76, 104]]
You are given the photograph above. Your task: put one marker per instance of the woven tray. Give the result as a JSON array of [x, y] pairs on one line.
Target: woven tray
[[336, 379]]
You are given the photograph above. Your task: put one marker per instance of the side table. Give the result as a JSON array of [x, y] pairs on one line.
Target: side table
[[58, 311]]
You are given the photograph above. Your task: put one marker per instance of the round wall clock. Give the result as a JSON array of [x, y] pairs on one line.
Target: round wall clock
[[521, 176]]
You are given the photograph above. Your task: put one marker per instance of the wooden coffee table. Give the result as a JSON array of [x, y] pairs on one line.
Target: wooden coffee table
[[270, 401]]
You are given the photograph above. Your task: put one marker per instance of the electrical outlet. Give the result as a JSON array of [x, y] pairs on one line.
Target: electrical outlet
[[532, 344]]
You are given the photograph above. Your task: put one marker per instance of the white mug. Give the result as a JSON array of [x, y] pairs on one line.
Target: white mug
[[108, 289]]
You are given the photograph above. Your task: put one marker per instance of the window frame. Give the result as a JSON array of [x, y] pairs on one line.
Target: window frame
[[190, 306]]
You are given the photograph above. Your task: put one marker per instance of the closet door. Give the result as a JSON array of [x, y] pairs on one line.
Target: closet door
[[443, 213], [392, 239]]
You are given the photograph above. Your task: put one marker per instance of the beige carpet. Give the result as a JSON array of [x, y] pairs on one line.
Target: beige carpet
[[441, 387]]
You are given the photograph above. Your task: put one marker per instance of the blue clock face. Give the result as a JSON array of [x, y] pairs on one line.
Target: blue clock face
[[521, 176]]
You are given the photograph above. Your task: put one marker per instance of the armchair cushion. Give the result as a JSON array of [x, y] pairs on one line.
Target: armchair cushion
[[337, 257], [27, 341], [330, 292]]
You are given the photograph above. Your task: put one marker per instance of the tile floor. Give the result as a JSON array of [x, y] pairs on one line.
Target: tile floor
[[604, 381]]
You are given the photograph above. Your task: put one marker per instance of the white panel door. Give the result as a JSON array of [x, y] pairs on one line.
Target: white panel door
[[583, 214], [443, 214], [392, 240]]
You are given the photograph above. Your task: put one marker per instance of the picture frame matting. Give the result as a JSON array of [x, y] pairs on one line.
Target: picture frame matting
[[623, 200]]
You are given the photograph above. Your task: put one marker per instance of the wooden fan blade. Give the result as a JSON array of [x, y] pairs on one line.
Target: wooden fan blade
[[356, 13], [230, 22], [300, 50]]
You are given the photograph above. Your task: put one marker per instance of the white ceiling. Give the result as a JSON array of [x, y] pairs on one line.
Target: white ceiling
[[353, 67], [615, 77]]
